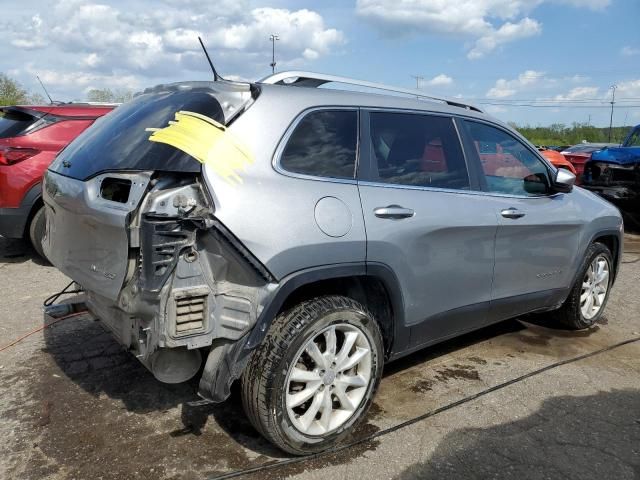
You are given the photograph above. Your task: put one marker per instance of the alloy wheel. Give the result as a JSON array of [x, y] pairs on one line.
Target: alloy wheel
[[328, 379], [594, 287]]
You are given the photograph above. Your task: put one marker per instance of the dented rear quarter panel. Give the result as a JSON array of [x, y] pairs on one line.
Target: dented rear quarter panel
[[271, 213]]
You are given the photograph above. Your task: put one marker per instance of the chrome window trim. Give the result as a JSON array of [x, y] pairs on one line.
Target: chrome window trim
[[367, 183], [277, 156]]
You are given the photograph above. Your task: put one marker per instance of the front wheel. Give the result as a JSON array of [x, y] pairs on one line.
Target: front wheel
[[589, 295], [314, 376]]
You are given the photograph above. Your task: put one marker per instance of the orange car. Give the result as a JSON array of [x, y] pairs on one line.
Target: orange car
[[558, 160]]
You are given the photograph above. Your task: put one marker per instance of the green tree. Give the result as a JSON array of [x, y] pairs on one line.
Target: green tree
[[109, 96], [11, 92]]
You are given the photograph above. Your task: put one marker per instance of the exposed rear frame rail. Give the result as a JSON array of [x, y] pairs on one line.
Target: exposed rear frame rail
[[314, 80]]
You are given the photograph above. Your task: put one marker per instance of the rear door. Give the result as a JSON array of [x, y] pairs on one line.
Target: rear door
[[539, 230], [425, 221]]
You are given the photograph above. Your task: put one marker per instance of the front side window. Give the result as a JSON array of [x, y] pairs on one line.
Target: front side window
[[323, 144], [417, 150], [508, 165]]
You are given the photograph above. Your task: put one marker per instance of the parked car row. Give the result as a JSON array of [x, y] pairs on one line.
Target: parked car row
[[30, 138], [579, 154]]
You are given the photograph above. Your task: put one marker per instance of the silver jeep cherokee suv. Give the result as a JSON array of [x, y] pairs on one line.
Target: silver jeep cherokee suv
[[297, 238]]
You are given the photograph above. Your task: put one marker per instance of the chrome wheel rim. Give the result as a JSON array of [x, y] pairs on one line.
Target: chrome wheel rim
[[594, 287], [328, 379]]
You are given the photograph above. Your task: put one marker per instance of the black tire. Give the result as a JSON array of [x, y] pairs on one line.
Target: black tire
[[264, 384], [36, 231], [570, 314]]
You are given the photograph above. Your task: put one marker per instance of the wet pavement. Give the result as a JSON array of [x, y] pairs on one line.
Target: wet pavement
[[74, 405]]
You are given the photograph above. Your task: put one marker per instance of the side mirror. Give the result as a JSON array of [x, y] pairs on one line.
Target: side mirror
[[536, 184], [564, 181]]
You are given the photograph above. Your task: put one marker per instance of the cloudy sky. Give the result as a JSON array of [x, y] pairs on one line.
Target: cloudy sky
[[529, 61]]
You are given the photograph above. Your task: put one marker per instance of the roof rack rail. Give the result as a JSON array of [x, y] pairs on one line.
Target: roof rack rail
[[314, 80]]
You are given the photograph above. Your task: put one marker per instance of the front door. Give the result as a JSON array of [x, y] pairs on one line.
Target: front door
[[425, 222], [539, 230]]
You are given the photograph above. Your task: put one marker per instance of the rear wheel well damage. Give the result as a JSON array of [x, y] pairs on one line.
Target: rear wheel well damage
[[227, 360], [365, 289]]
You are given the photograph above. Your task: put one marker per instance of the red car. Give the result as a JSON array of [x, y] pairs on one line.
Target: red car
[[558, 160], [30, 138], [580, 154]]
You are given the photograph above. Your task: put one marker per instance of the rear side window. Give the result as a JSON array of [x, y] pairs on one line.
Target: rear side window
[[323, 144], [14, 122], [417, 150], [508, 165]]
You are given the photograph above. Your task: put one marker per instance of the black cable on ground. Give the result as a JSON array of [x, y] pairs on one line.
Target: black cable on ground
[[457, 403], [53, 298]]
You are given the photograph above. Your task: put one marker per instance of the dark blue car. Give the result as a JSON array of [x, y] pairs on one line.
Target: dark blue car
[[614, 173]]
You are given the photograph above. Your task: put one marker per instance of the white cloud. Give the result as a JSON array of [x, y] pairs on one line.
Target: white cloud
[[83, 80], [578, 93], [30, 36], [439, 81], [488, 23], [628, 51], [628, 89], [507, 88], [106, 43], [508, 32]]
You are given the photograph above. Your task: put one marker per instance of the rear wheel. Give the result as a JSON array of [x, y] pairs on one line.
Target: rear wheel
[[36, 231], [314, 376], [589, 295]]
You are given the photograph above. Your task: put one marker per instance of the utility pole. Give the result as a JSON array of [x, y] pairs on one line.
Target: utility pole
[[613, 102], [273, 39], [418, 78]]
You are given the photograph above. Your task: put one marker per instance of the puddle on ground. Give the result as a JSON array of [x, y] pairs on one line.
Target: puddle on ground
[[457, 372]]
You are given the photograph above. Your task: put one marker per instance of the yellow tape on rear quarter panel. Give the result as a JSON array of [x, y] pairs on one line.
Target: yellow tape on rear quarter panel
[[207, 141]]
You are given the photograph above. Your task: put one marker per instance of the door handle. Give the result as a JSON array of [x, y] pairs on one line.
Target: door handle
[[512, 213], [394, 212]]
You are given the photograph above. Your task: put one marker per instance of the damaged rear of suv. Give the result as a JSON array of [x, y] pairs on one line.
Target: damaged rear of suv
[[131, 220], [221, 226]]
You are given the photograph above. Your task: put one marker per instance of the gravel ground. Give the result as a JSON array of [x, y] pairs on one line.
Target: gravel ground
[[73, 405]]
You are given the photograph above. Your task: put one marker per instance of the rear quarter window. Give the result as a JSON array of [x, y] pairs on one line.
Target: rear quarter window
[[323, 144], [119, 141]]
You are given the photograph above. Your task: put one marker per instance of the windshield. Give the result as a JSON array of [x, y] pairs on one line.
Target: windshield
[[634, 139], [120, 140], [14, 122]]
